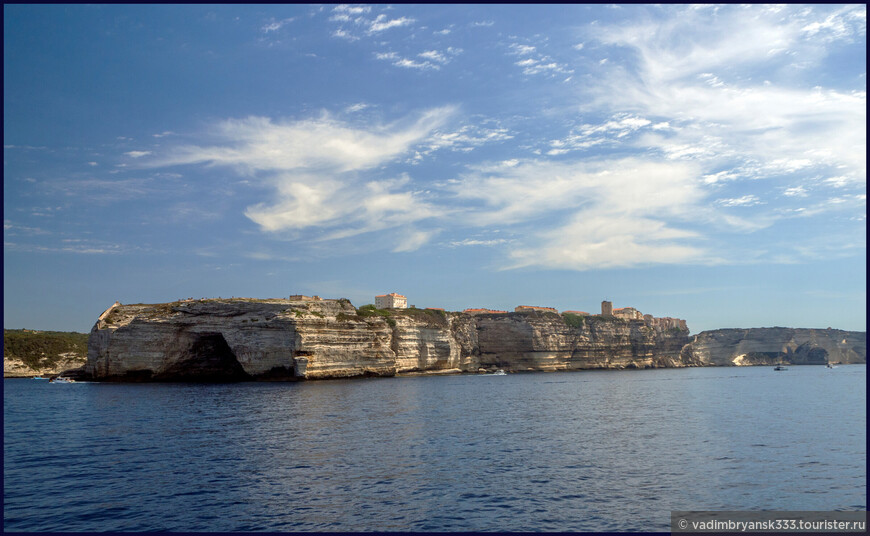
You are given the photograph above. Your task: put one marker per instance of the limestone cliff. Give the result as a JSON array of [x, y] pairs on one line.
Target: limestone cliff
[[768, 346], [17, 368], [240, 339]]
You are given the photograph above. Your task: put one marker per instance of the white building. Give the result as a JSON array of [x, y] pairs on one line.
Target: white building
[[628, 313], [391, 301]]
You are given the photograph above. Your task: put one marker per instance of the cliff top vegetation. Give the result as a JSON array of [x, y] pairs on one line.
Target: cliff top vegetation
[[42, 348]]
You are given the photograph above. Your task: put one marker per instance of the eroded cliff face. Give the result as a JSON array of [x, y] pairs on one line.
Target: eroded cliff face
[[235, 340], [544, 341], [16, 368], [769, 346]]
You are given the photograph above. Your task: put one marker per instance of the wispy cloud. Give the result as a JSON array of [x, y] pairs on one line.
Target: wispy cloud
[[691, 78], [597, 214], [477, 242], [382, 23], [357, 17], [796, 191], [73, 246], [431, 59], [255, 144], [11, 229], [358, 107], [101, 190], [275, 25], [744, 201], [314, 167], [533, 62]]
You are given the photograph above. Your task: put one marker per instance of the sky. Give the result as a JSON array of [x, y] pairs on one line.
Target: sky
[[700, 162]]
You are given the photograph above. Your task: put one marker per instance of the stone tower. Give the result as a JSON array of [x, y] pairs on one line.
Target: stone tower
[[606, 308]]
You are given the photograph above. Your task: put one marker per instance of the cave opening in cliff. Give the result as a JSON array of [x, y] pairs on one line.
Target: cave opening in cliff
[[206, 358]]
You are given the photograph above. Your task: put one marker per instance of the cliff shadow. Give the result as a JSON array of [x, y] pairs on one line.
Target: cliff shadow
[[202, 357]]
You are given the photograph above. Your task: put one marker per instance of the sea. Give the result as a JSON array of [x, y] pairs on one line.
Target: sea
[[557, 451]]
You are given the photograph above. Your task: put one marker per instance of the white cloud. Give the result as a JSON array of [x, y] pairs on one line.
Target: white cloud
[[519, 192], [434, 55], [535, 63], [610, 132], [596, 241], [358, 107], [101, 190], [315, 169], [411, 64], [275, 25], [381, 23], [352, 9], [797, 191], [434, 59], [522, 50], [464, 139], [259, 144], [595, 214], [344, 35], [10, 229], [744, 201], [475, 242], [137, 154], [413, 240], [689, 73]]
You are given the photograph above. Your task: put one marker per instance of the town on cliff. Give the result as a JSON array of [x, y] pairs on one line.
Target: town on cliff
[[399, 301]]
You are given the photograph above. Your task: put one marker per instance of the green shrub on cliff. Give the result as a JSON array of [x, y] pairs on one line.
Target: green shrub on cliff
[[575, 321], [42, 348], [427, 316], [370, 310]]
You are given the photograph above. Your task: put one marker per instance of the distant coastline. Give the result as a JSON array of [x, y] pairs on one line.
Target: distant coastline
[[28, 352]]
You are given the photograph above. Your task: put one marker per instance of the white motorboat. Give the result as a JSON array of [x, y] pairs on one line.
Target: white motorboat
[[61, 379]]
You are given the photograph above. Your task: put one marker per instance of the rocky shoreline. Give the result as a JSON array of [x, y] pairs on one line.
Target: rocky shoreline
[[287, 340], [291, 340], [281, 339]]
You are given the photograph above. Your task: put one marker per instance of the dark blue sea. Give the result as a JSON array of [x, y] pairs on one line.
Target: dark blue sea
[[568, 451]]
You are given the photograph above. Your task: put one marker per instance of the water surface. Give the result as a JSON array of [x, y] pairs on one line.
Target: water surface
[[570, 451]]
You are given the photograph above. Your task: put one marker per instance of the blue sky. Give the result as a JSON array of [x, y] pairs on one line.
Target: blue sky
[[702, 162]]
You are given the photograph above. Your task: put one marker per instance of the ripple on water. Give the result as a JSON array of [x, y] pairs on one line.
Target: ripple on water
[[534, 452]]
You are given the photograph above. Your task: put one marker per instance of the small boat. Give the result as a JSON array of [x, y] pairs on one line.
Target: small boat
[[61, 379], [38, 378], [499, 373], [780, 367], [830, 366]]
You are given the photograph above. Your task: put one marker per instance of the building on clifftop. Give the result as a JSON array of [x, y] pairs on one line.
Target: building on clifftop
[[628, 313], [606, 308], [391, 301]]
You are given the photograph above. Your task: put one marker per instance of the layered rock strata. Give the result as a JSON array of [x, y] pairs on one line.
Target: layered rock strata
[[16, 368], [239, 339], [769, 346]]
